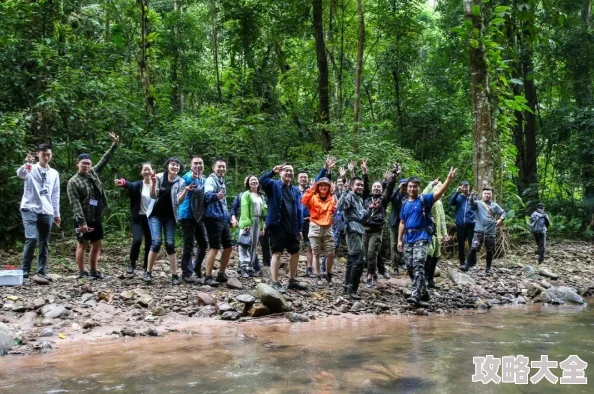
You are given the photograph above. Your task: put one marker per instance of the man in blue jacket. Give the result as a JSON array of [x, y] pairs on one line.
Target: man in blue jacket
[[464, 219], [216, 220], [284, 222]]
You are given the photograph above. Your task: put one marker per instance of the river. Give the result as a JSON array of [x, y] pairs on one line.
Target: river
[[361, 354]]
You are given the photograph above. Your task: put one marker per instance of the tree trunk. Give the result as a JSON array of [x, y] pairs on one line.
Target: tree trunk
[[359, 71], [215, 41], [106, 33], [483, 136], [143, 63], [324, 99]]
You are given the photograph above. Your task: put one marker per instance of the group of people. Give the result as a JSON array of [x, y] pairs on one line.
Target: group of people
[[271, 211]]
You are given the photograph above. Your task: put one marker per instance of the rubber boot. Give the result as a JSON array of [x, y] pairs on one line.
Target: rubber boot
[[489, 261], [356, 272]]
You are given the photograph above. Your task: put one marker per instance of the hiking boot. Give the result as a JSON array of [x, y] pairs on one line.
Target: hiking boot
[[422, 304], [329, 277], [131, 268], [189, 279], [309, 272], [465, 267], [278, 287], [412, 300], [175, 280], [369, 283], [222, 277], [210, 281], [386, 275], [96, 275], [295, 285], [255, 274], [488, 271], [355, 295], [433, 285], [83, 275], [25, 274], [245, 274], [148, 277]]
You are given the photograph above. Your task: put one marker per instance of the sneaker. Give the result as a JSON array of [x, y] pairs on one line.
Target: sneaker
[[96, 275], [222, 277], [44, 276], [25, 274], [210, 281], [188, 279], [148, 277], [255, 274], [355, 295], [131, 268], [278, 287], [386, 275], [245, 274], [488, 271], [412, 300], [464, 267], [83, 275], [295, 285], [175, 280], [309, 272], [369, 283]]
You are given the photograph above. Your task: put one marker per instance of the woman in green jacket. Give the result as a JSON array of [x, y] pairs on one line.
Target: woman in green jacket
[[253, 208], [434, 251]]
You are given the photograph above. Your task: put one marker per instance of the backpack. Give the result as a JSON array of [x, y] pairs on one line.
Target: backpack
[[340, 221], [428, 216], [197, 204]]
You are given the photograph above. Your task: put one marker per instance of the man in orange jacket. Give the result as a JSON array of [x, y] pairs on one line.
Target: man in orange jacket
[[321, 204]]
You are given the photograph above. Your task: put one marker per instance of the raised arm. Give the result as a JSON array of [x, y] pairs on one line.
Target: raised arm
[[451, 175], [98, 168]]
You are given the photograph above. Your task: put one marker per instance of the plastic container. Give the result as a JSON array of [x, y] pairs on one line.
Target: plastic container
[[11, 277]]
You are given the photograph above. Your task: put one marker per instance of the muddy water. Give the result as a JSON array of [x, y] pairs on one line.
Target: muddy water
[[337, 355]]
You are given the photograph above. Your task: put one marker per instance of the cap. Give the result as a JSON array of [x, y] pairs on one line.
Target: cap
[[404, 181], [540, 205], [464, 183], [84, 156]]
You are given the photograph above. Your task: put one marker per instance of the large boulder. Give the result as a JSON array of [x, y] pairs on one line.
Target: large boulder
[[6, 341], [52, 311], [534, 289], [545, 272], [460, 278], [272, 298], [563, 295]]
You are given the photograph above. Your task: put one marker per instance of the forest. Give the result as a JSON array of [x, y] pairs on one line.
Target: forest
[[500, 89]]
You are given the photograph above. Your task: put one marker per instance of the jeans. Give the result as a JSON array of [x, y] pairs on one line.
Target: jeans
[[193, 231], [37, 231], [159, 225], [140, 229], [464, 233]]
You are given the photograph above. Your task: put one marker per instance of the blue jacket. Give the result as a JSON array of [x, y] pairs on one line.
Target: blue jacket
[[273, 189], [323, 173], [215, 208], [185, 208], [464, 212]]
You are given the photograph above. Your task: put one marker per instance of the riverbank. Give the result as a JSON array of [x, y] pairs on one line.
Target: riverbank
[[41, 317]]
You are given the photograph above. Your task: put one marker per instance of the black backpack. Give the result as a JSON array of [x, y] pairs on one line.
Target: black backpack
[[428, 216]]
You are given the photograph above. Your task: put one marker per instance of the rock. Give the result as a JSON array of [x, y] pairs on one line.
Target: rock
[[225, 307], [357, 306], [88, 324], [38, 303], [205, 299], [19, 307], [127, 332], [296, 318], [406, 292], [234, 283], [542, 298], [481, 292], [207, 311], [519, 301], [151, 332], [230, 315], [482, 305], [55, 277], [564, 294], [344, 308], [258, 310], [272, 298], [546, 284], [27, 321], [383, 307], [127, 295], [157, 310], [545, 272], [6, 342], [39, 280], [437, 273], [460, 278], [245, 299], [86, 297], [528, 269], [534, 289], [54, 310], [47, 322], [47, 332]]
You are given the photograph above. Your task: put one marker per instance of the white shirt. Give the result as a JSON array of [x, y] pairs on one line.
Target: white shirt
[[42, 190], [145, 198]]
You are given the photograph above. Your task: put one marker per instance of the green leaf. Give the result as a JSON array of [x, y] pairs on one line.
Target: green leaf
[[476, 10], [516, 81]]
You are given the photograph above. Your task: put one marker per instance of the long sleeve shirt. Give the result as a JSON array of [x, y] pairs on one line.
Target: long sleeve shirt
[[486, 216], [464, 212], [42, 190]]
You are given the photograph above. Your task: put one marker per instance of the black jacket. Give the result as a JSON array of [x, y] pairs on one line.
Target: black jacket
[[378, 215], [135, 189]]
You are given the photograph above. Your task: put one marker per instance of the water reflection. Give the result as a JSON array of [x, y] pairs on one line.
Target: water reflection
[[337, 355]]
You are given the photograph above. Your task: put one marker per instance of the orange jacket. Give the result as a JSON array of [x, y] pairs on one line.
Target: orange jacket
[[320, 212]]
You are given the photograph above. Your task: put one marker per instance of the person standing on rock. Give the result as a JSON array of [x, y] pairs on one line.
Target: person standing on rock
[[539, 222], [163, 216], [284, 222], [192, 230], [251, 221], [217, 223], [140, 200], [397, 198], [351, 203], [88, 201], [320, 202], [464, 219], [440, 236], [413, 234], [489, 216], [40, 207]]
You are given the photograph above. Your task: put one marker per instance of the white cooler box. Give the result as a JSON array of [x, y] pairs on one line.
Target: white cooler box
[[11, 277]]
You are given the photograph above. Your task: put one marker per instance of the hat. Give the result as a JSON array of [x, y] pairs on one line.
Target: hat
[[464, 183], [540, 205], [403, 181], [84, 156], [414, 179], [324, 180]]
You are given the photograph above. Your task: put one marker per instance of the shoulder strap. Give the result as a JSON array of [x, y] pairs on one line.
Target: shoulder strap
[[488, 209]]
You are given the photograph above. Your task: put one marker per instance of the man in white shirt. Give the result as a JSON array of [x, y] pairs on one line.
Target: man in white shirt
[[40, 207]]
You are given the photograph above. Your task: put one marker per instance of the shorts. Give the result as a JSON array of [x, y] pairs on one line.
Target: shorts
[[218, 232], [92, 236], [281, 239], [305, 232], [321, 238]]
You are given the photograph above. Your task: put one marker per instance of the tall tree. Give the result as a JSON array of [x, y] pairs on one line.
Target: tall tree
[[359, 69], [323, 113], [143, 60]]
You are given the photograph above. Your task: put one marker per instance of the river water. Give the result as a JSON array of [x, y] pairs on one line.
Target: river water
[[365, 354]]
